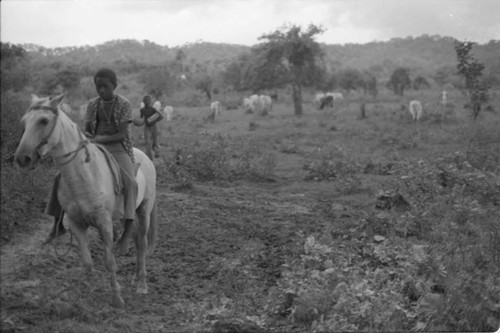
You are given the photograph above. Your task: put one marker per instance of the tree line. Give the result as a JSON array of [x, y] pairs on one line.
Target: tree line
[[285, 57]]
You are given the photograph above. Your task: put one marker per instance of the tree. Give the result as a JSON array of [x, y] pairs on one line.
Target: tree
[[180, 57], [158, 81], [350, 79], [471, 71], [204, 83], [69, 78], [14, 71], [231, 76], [420, 82], [263, 70], [369, 83], [400, 80], [297, 53]]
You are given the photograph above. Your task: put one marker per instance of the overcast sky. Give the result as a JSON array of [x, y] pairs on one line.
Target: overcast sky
[[57, 23]]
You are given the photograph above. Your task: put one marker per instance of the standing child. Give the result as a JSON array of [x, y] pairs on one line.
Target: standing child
[[151, 117]]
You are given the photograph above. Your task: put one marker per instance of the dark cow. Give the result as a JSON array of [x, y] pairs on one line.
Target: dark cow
[[326, 101]]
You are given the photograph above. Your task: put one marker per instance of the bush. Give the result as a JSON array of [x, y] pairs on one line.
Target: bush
[[216, 157], [23, 193]]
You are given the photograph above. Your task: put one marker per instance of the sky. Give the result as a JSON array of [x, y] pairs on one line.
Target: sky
[[61, 23]]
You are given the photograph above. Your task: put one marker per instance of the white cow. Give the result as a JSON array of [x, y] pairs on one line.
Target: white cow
[[416, 110], [267, 104], [246, 104], [168, 112], [253, 104], [157, 106], [444, 99], [215, 107], [319, 97]]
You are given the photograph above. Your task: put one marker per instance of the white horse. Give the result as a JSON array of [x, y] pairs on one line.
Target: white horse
[[87, 190]]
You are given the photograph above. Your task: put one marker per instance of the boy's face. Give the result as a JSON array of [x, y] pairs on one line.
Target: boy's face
[[105, 88], [147, 101]]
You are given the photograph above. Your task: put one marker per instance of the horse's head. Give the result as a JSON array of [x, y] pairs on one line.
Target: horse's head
[[39, 135]]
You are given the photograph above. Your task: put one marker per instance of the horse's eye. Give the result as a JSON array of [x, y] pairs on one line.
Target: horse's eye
[[44, 121]]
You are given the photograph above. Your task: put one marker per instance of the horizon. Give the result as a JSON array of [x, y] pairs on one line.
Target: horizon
[[235, 44]]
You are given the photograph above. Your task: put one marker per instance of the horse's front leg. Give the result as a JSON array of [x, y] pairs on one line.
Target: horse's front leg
[[80, 233], [141, 244], [105, 226]]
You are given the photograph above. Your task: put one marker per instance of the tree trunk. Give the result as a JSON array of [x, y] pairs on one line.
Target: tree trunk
[[363, 111], [297, 99]]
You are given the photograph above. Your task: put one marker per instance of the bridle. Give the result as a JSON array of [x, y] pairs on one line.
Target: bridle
[[82, 144]]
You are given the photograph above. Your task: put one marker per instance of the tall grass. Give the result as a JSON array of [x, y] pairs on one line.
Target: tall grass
[[215, 157]]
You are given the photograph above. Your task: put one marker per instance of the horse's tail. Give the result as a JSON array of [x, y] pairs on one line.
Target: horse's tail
[[153, 227]]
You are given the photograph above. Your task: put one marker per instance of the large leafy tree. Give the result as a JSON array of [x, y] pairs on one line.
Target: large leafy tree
[[399, 81], [420, 82], [204, 83], [350, 79], [369, 83], [14, 70], [297, 53], [158, 81], [472, 72], [263, 70]]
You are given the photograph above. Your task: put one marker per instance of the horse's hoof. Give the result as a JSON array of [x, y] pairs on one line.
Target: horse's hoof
[[118, 302], [49, 239], [53, 235], [122, 248]]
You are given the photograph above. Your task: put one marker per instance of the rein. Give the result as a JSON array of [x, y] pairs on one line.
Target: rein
[[83, 143]]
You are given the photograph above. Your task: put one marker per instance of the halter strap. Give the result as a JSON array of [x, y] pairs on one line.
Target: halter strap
[[82, 144], [45, 108]]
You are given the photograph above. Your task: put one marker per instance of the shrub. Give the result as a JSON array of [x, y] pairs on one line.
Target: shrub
[[22, 193], [330, 164], [216, 157]]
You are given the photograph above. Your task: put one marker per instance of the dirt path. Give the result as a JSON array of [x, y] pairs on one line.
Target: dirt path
[[219, 255]]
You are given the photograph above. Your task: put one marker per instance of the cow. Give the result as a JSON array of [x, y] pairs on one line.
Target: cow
[[168, 112], [327, 100], [337, 96], [253, 104], [266, 103], [415, 110], [215, 107], [444, 99], [157, 106], [318, 98]]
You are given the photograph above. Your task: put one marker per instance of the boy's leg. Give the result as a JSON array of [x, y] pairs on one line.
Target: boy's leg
[[53, 208], [130, 198], [154, 135], [147, 141]]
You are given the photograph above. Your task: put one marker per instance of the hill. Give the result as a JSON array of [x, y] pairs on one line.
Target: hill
[[425, 54]]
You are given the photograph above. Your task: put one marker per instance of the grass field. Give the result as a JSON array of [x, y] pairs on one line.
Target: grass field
[[320, 223]]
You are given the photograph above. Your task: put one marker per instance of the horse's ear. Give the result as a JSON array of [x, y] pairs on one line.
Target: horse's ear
[[55, 101], [34, 98]]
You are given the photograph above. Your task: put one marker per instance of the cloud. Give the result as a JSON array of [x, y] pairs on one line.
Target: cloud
[[176, 22]]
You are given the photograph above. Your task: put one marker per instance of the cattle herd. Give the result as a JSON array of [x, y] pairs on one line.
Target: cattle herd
[[258, 104], [261, 105]]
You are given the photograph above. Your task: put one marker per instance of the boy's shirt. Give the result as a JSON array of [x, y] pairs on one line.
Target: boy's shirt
[[147, 112]]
